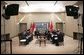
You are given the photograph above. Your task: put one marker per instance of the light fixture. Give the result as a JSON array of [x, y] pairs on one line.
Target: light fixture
[[27, 3], [55, 3]]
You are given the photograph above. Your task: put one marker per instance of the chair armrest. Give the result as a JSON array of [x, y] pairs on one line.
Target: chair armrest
[[23, 40]]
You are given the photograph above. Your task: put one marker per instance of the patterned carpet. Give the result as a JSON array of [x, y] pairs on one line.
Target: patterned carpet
[[70, 46]]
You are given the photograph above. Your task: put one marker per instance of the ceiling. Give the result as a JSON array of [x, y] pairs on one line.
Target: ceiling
[[42, 6]]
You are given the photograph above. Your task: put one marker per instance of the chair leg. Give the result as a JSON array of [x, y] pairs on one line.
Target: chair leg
[[63, 43], [19, 43], [45, 42], [39, 43]]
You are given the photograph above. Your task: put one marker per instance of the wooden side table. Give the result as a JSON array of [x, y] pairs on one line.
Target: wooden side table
[[42, 39]]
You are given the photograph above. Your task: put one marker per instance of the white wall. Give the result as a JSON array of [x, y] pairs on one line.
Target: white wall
[[72, 24], [80, 18], [10, 25], [43, 17], [2, 19]]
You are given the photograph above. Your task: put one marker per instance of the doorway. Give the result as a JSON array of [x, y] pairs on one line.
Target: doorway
[[22, 27], [59, 26]]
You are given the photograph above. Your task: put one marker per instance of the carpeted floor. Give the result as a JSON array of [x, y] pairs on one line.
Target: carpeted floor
[[33, 47]]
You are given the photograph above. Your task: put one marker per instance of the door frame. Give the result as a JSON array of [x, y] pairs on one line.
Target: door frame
[[59, 23], [20, 26]]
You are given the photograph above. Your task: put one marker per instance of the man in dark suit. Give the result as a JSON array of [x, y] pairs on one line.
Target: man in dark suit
[[29, 36], [47, 34], [22, 37], [37, 33], [55, 39], [24, 34], [60, 35]]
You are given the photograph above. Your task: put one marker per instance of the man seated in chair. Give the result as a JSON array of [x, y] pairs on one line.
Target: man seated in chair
[[22, 37], [37, 33], [28, 36], [55, 39], [52, 34], [47, 34], [24, 34], [28, 33], [60, 35]]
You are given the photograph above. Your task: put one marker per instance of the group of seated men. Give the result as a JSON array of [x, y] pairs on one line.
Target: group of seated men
[[55, 36], [26, 35]]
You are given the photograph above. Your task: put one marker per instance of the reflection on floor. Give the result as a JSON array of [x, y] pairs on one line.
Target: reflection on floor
[[33, 48]]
